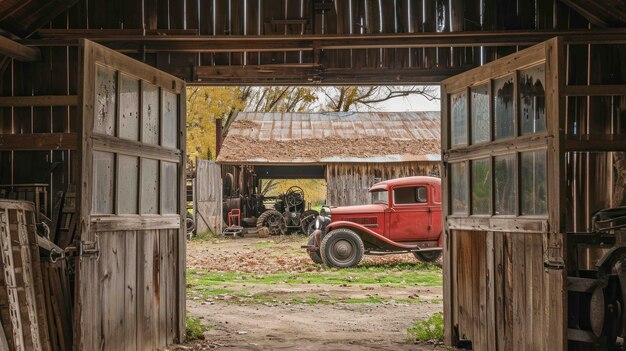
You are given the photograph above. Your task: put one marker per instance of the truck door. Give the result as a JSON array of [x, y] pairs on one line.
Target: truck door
[[435, 213], [409, 216]]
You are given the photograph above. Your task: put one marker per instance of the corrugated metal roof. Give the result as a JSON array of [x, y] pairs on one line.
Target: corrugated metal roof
[[284, 138]]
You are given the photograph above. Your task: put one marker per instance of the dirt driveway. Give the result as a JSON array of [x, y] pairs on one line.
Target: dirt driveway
[[265, 294]]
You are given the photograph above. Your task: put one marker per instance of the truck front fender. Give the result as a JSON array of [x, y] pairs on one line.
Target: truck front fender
[[370, 236]]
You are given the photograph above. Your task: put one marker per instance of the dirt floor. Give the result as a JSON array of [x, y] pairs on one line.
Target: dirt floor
[[266, 294]]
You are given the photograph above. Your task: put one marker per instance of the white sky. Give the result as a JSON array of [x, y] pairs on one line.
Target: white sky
[[410, 103], [400, 104]]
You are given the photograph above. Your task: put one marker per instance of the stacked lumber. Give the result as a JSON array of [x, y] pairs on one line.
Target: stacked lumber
[[57, 281], [58, 304], [22, 311]]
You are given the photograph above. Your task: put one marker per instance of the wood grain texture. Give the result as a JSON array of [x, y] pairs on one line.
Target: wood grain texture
[[130, 297]]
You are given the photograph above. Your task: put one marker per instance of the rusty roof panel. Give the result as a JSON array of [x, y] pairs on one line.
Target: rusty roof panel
[[284, 138]]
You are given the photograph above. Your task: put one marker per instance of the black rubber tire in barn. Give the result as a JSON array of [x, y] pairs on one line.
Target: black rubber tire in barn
[[427, 256], [306, 219], [272, 220], [342, 248], [315, 255]]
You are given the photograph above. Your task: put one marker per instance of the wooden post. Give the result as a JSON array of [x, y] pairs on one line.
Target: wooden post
[[555, 244], [218, 136]]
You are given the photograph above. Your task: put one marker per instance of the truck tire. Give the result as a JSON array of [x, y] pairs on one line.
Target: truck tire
[[427, 256], [342, 248], [315, 255], [273, 221]]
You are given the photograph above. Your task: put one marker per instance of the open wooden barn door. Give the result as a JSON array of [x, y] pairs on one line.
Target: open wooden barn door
[[130, 287]]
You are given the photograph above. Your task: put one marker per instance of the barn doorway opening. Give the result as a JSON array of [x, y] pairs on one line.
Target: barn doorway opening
[[262, 289]]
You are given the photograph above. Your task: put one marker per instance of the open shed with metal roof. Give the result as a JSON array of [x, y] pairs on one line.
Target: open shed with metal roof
[[351, 150]]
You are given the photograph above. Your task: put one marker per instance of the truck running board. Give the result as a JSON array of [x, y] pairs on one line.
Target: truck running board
[[383, 253]]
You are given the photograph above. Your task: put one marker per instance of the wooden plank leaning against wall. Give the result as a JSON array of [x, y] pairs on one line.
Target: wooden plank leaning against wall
[[497, 292], [131, 295]]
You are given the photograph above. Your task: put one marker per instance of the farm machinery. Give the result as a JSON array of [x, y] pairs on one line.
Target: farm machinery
[[271, 215], [596, 283]]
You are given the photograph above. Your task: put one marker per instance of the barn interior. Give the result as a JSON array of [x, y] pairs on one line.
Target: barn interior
[[92, 132]]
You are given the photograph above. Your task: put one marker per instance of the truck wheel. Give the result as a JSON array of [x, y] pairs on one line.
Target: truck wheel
[[342, 248], [273, 221], [427, 256], [315, 255]]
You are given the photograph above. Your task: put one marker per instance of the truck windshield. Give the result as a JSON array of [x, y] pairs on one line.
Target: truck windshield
[[380, 197]]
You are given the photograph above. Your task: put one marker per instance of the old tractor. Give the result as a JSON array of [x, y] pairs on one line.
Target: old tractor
[[274, 215]]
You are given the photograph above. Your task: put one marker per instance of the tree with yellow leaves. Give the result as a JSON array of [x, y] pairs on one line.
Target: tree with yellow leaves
[[204, 106]]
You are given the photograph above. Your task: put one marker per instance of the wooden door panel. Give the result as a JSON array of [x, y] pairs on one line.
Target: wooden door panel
[[131, 294]]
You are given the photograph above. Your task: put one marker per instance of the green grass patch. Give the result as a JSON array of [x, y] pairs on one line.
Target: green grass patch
[[264, 244], [204, 236], [430, 329], [196, 328], [374, 276]]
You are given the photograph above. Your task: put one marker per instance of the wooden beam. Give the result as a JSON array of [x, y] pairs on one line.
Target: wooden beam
[[41, 100], [602, 143], [107, 33], [38, 141], [594, 90], [272, 43], [13, 49], [310, 75]]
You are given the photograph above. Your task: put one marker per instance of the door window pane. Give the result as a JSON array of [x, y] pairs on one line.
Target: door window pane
[[505, 186], [129, 108], [106, 90], [127, 184], [481, 186], [504, 116], [150, 113], [149, 186], [532, 99], [534, 183], [480, 114], [103, 182], [170, 128], [169, 188], [410, 195], [459, 186], [458, 123]]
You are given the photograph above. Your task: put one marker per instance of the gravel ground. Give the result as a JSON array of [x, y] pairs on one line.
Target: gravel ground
[[249, 314]]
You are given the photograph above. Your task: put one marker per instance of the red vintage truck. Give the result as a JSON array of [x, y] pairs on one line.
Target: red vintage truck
[[404, 216]]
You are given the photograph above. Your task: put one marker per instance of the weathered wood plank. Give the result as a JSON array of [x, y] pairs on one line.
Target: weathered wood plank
[[497, 224], [134, 148], [111, 271], [39, 141], [39, 100], [131, 287], [134, 222]]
